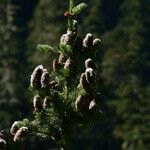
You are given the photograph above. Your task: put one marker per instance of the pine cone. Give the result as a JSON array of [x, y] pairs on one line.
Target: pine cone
[[46, 102], [14, 128], [88, 41], [90, 64], [56, 65], [37, 103], [45, 79], [62, 59], [90, 75], [82, 103], [68, 64], [65, 39], [20, 134], [84, 83], [36, 77], [96, 43], [72, 36], [2, 143]]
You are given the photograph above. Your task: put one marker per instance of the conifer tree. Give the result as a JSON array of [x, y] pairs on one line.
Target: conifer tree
[[65, 95]]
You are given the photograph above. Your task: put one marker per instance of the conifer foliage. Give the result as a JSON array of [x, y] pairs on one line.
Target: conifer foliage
[[65, 96]]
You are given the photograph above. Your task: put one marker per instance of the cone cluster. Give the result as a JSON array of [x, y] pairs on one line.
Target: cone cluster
[[19, 134], [41, 80], [62, 63], [88, 78], [89, 43], [86, 101], [40, 103]]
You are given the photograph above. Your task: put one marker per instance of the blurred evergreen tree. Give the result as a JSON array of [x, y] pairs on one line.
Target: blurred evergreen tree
[[93, 19], [125, 69], [9, 63], [13, 69], [102, 15]]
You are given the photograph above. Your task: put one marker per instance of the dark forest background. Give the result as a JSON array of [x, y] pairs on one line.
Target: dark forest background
[[123, 61]]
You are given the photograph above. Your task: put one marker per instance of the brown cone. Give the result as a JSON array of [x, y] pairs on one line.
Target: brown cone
[[45, 78], [36, 77], [65, 39], [46, 102], [37, 103], [90, 64], [88, 41], [84, 83], [82, 103], [61, 59], [68, 64], [56, 65], [20, 134], [2, 143], [90, 75], [14, 128]]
